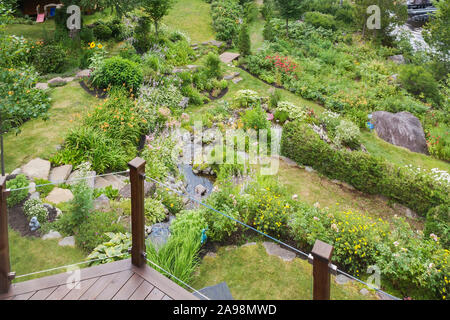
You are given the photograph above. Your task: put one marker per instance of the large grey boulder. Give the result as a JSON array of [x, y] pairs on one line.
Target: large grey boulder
[[398, 59], [37, 168], [274, 249], [60, 174], [102, 203], [401, 129], [149, 190], [67, 242], [76, 177]]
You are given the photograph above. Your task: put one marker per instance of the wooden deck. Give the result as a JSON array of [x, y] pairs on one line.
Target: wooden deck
[[113, 281]]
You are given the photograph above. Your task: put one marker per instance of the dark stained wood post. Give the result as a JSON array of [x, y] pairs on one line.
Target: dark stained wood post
[[321, 253], [5, 266], [137, 178]]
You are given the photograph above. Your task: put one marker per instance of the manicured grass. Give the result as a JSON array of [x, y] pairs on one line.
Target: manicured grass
[[252, 274], [193, 17], [34, 254], [36, 31], [40, 138], [399, 155]]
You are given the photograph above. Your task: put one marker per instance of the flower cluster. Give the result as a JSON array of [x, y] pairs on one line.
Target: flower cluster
[[283, 64]]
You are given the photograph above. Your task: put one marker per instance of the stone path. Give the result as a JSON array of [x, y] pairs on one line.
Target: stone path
[[59, 81], [228, 57], [274, 249]]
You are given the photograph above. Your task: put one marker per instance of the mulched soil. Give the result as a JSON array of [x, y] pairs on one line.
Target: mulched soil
[[98, 93], [19, 222], [221, 95]]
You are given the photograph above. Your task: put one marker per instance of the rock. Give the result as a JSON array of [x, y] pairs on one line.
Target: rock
[[178, 70], [58, 81], [102, 203], [316, 205], [200, 190], [192, 67], [67, 242], [16, 171], [275, 250], [249, 244], [309, 169], [159, 235], [52, 235], [405, 211], [295, 197], [42, 86], [35, 195], [341, 279], [237, 80], [76, 177], [184, 103], [364, 291], [115, 181], [58, 212], [149, 190], [347, 186], [83, 74], [101, 183], [401, 129], [37, 168], [148, 230], [32, 187], [68, 79], [228, 77], [216, 43], [59, 195], [211, 254], [398, 59], [60, 174]]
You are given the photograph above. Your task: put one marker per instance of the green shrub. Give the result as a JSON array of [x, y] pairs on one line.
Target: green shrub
[[268, 32], [119, 72], [16, 197], [50, 58], [244, 41], [255, 119], [419, 81], [154, 211], [348, 134], [212, 66], [35, 208], [87, 35], [188, 222], [82, 202], [363, 171], [438, 140], [246, 98], [438, 223], [116, 248], [142, 40], [93, 230], [318, 19], [102, 32], [44, 190], [172, 201], [225, 15], [109, 192]]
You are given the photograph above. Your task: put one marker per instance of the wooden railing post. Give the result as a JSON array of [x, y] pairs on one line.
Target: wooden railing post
[[5, 266], [321, 254], [137, 178]]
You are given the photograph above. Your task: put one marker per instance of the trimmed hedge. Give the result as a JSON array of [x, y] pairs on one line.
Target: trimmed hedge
[[363, 171]]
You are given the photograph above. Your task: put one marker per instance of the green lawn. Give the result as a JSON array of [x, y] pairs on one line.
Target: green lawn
[[252, 274], [40, 138], [193, 17], [34, 254], [36, 31]]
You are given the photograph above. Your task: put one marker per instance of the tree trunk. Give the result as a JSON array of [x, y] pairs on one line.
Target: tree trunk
[[287, 28], [156, 28]]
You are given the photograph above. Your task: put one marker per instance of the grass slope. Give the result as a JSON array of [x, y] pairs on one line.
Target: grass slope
[[252, 274], [193, 17], [34, 254], [40, 138]]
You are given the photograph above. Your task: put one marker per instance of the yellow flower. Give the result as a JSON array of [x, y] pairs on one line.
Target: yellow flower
[[171, 205], [92, 44], [100, 46]]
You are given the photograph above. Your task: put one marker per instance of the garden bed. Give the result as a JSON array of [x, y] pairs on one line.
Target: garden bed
[[95, 92]]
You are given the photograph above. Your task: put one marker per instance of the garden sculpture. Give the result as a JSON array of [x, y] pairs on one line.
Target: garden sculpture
[[34, 224]]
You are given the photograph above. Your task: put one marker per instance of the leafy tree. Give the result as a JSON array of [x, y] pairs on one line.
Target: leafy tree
[[244, 41], [289, 9], [437, 32], [157, 9], [392, 14]]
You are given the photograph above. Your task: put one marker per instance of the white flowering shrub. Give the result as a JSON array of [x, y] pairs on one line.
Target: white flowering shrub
[[294, 112], [440, 176], [163, 96], [330, 119], [245, 98], [347, 133], [35, 208]]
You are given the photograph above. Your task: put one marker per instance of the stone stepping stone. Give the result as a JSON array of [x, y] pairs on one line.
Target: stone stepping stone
[[83, 74], [76, 175], [67, 242], [115, 181], [42, 86], [237, 80], [274, 249], [228, 57], [58, 195], [37, 168], [52, 235], [60, 174], [58, 81]]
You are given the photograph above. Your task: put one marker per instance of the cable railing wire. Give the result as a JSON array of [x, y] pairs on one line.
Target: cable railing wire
[[266, 235], [71, 180], [70, 265], [181, 281]]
